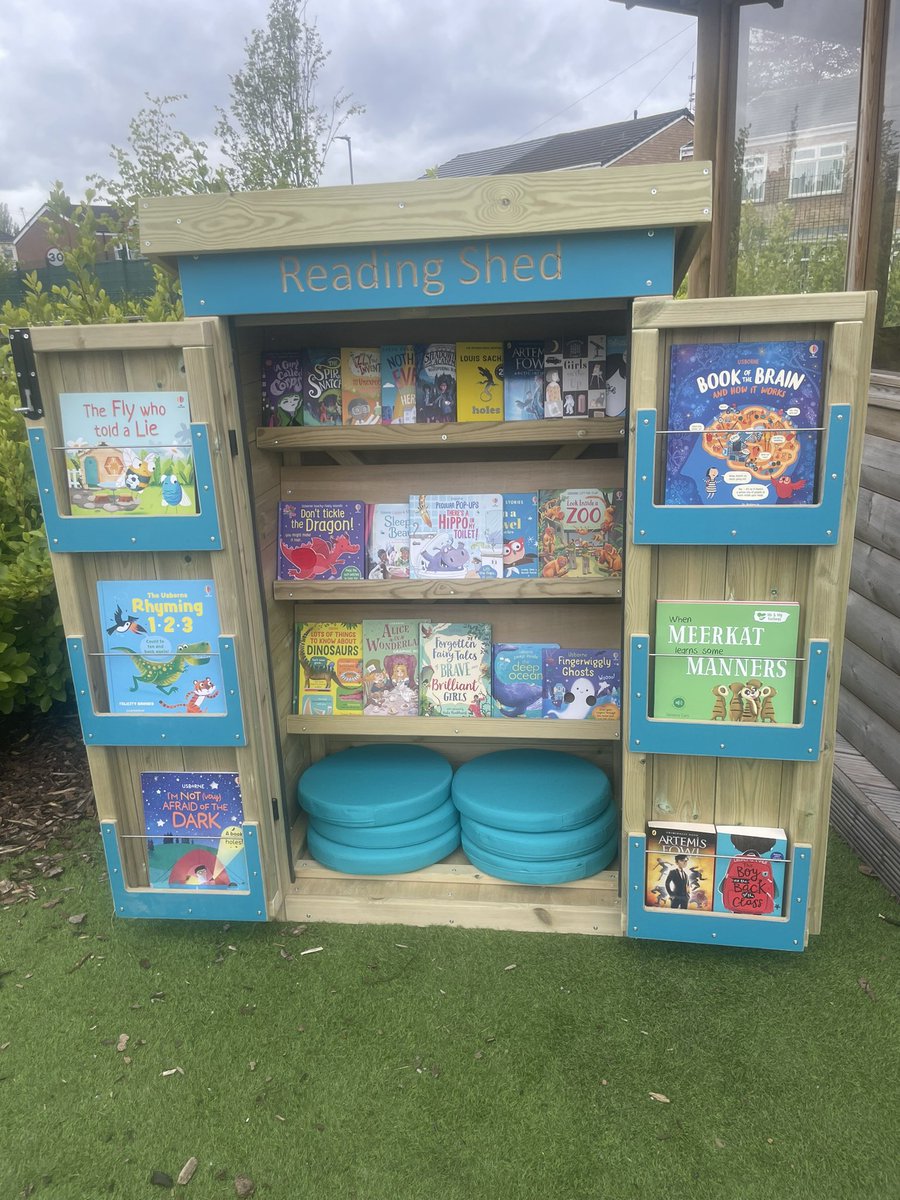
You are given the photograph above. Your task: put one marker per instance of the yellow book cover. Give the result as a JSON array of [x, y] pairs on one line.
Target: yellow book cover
[[479, 381], [328, 668], [361, 385]]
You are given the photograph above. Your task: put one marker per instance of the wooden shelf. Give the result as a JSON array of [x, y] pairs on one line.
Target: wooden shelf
[[416, 437], [366, 590], [429, 728]]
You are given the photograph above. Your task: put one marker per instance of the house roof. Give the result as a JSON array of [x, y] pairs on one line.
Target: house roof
[[99, 210], [596, 147], [824, 104]]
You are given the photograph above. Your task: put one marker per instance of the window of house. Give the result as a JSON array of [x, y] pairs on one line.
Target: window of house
[[685, 152], [818, 170], [753, 178]]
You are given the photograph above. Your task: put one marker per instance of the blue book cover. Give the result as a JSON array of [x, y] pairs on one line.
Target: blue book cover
[[523, 381], [160, 646], [456, 537], [520, 535], [582, 684], [517, 678], [750, 863], [745, 421], [398, 385], [194, 824]]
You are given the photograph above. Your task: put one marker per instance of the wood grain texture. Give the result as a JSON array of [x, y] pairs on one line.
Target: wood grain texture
[[872, 683], [165, 335], [662, 313], [874, 630], [474, 433], [364, 591], [878, 522], [487, 728]]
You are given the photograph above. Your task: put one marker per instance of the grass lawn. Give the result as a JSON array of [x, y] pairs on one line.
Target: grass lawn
[[455, 1065]]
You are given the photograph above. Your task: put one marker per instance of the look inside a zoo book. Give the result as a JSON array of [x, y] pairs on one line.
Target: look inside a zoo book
[[194, 826], [128, 453]]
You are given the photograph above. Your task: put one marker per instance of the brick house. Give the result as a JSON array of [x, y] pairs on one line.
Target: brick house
[[33, 248]]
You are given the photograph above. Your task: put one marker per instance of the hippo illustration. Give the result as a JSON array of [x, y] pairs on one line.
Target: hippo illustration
[[447, 558]]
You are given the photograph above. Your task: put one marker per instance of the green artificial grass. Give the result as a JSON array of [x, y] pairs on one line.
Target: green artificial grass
[[398, 1063]]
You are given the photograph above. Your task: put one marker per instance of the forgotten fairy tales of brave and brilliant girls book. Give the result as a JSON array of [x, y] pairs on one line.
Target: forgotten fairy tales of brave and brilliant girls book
[[455, 670]]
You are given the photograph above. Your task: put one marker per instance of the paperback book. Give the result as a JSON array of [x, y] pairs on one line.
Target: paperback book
[[398, 385], [390, 652], [520, 540], [616, 374], [361, 385], [128, 453], [553, 370], [580, 532], [517, 678], [681, 866], [160, 646], [523, 381], [322, 401], [387, 541], [596, 372], [328, 677], [436, 383], [575, 377], [194, 826], [479, 381], [727, 660], [456, 537], [455, 670], [745, 421], [581, 685], [282, 389], [321, 539], [750, 864]]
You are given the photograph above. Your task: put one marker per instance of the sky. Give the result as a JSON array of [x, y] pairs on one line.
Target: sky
[[437, 78]]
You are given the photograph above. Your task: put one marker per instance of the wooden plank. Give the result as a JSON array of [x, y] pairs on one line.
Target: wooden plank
[[365, 590], [875, 576], [881, 467], [662, 314], [660, 195], [878, 521], [487, 728], [872, 682], [872, 734], [474, 433], [163, 335], [874, 630], [883, 420]]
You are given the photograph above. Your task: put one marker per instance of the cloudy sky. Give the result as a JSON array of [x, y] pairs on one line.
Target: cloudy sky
[[437, 77]]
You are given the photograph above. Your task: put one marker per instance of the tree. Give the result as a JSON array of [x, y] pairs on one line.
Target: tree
[[274, 133], [7, 224]]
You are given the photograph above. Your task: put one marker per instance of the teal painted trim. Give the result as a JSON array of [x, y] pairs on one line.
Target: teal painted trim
[[726, 739], [544, 268], [159, 729], [181, 904], [94, 535]]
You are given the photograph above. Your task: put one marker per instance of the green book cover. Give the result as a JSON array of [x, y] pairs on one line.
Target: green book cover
[[730, 660]]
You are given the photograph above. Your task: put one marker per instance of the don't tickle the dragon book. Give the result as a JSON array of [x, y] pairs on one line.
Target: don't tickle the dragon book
[[321, 539]]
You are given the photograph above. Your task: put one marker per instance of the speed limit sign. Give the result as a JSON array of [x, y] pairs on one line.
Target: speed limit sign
[[55, 257]]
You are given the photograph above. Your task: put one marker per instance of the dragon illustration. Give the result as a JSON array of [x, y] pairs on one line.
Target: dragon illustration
[[317, 556], [165, 675]]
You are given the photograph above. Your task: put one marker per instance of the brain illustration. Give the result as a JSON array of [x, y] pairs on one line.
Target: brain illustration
[[760, 440]]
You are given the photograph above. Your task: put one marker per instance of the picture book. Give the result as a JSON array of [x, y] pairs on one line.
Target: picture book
[[616, 374], [128, 453], [520, 552], [321, 539], [681, 866], [322, 397], [479, 381], [580, 532], [750, 864], [436, 383], [328, 678], [361, 385], [523, 381], [582, 685], [282, 389], [517, 678], [596, 375], [160, 646], [456, 537], [455, 670], [387, 541], [194, 826], [390, 656], [575, 377], [398, 385], [553, 369], [726, 660], [745, 420]]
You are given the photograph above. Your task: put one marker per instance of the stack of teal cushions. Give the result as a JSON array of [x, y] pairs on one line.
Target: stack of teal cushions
[[380, 809], [536, 816]]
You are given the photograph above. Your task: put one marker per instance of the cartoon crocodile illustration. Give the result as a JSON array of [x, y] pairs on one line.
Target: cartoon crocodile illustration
[[165, 675]]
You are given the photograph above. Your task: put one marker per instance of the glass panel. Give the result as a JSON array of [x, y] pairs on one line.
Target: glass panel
[[886, 222]]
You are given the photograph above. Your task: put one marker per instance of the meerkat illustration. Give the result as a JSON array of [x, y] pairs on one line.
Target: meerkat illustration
[[767, 708], [720, 709], [735, 704], [748, 694]]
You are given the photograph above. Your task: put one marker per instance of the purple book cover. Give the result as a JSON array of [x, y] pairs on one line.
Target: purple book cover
[[582, 685], [322, 403], [321, 539], [282, 389]]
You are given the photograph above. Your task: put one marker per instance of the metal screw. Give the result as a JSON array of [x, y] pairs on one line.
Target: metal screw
[[402, 204], [637, 741], [706, 212], [202, 302], [828, 532], [649, 282], [714, 935], [443, 437], [653, 191], [840, 416], [734, 533], [651, 232]]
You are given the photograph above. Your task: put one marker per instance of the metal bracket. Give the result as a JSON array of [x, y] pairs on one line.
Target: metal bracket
[[22, 348]]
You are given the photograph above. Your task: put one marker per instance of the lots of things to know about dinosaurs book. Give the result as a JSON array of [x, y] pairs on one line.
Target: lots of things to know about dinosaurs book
[[744, 423], [387, 541], [390, 661], [580, 532], [436, 383], [321, 539], [479, 381], [750, 866], [398, 385], [517, 678], [523, 381], [282, 389], [322, 399], [160, 646], [520, 541], [581, 685], [455, 669], [456, 537], [728, 660], [361, 385], [194, 827], [128, 453], [328, 678], [681, 866]]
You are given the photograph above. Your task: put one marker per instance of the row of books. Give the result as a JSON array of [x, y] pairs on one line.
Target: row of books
[[486, 536], [440, 382], [699, 868], [397, 668]]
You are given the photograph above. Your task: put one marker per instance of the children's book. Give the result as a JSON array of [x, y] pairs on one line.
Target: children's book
[[727, 660], [681, 866], [455, 670], [520, 543], [387, 541], [580, 532], [322, 400], [616, 374], [128, 453], [321, 539], [194, 825], [750, 865], [553, 371], [398, 385], [517, 678], [390, 655], [523, 381], [328, 668], [436, 383], [479, 381], [596, 375], [575, 377], [581, 685], [361, 385], [160, 646], [744, 421], [282, 389], [456, 537]]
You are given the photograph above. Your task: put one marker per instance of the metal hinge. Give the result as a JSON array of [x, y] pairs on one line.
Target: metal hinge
[[275, 809], [232, 442], [26, 374]]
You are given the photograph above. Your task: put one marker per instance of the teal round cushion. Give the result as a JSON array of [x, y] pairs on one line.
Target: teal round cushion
[[404, 833], [560, 870], [381, 784], [381, 860], [543, 846], [531, 791]]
